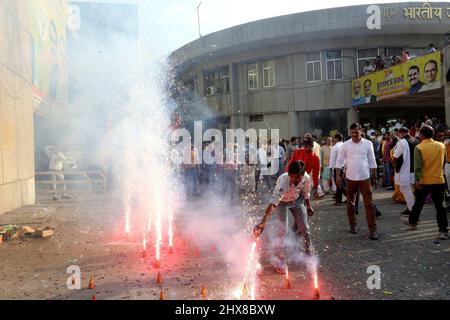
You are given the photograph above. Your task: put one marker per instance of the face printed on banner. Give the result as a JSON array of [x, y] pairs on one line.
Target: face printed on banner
[[367, 88], [357, 89], [413, 76], [430, 71]]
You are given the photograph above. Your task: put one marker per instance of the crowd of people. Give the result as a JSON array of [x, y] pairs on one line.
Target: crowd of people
[[381, 63], [406, 157]]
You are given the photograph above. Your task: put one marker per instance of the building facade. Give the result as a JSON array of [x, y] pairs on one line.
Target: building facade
[[16, 107], [294, 73]]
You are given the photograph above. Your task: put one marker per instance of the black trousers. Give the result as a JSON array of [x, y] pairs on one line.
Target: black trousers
[[341, 189], [437, 194]]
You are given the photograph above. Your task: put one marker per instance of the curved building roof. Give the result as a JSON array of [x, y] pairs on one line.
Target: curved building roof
[[316, 25]]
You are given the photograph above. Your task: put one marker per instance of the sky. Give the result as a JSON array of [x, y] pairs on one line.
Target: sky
[[167, 25]]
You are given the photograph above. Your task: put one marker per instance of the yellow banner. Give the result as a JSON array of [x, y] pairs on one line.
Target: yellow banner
[[414, 76]]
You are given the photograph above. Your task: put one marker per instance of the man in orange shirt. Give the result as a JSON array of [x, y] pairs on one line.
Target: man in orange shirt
[[311, 160]]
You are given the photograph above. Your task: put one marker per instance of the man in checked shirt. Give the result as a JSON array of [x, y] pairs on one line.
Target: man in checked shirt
[[292, 192]]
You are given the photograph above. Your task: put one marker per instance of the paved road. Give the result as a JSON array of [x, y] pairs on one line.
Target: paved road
[[211, 250]]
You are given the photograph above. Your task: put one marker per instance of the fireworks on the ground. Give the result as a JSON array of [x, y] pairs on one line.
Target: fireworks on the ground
[[249, 282], [316, 287], [170, 234], [287, 280]]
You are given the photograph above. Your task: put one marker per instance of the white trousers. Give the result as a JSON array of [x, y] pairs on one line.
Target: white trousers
[[408, 194]]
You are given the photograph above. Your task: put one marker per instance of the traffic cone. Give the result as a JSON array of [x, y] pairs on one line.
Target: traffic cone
[[94, 297], [91, 283], [316, 294], [157, 264], [245, 290], [162, 296], [159, 279], [287, 283], [203, 292]]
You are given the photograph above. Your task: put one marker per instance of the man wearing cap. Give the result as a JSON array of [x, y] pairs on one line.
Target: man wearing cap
[[403, 161], [292, 191]]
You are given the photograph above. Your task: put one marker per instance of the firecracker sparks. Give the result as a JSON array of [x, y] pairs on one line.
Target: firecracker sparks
[[250, 275], [127, 221], [158, 231], [287, 281], [316, 282], [170, 233]]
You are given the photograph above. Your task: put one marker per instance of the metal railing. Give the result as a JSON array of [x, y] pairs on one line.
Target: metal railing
[[75, 181]]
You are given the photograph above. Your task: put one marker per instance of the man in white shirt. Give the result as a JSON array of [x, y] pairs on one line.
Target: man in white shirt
[[404, 160], [55, 166], [333, 158], [292, 192], [361, 172]]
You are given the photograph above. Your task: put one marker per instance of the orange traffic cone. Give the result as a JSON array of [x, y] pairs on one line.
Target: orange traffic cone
[[316, 294], [287, 283], [91, 283], [203, 292], [162, 296], [159, 279], [94, 297], [157, 264], [245, 290]]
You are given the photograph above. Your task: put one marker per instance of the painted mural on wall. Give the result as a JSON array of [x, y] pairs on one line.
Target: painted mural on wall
[[47, 26], [414, 76]]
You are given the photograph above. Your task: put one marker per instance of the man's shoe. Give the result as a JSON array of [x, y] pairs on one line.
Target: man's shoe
[[378, 214], [443, 235], [390, 189], [356, 212], [373, 235], [353, 230], [405, 221], [406, 213]]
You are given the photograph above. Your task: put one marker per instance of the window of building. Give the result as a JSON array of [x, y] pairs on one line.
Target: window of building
[[268, 73], [364, 55], [253, 76], [226, 80], [416, 52], [334, 65], [313, 67], [256, 118], [393, 52]]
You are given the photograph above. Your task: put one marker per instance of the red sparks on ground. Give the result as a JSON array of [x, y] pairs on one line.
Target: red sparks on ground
[[316, 288], [287, 281]]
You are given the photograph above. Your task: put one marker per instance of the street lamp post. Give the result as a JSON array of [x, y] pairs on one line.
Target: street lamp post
[[198, 19]]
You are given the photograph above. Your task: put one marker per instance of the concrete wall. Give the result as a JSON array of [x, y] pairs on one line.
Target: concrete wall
[[16, 111]]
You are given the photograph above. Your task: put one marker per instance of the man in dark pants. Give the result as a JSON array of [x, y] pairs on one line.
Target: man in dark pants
[[361, 173], [337, 139], [429, 161]]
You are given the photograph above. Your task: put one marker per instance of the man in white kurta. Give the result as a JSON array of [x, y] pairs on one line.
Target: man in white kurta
[[404, 178]]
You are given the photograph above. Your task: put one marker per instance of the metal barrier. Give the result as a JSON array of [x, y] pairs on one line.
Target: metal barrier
[[75, 181]]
